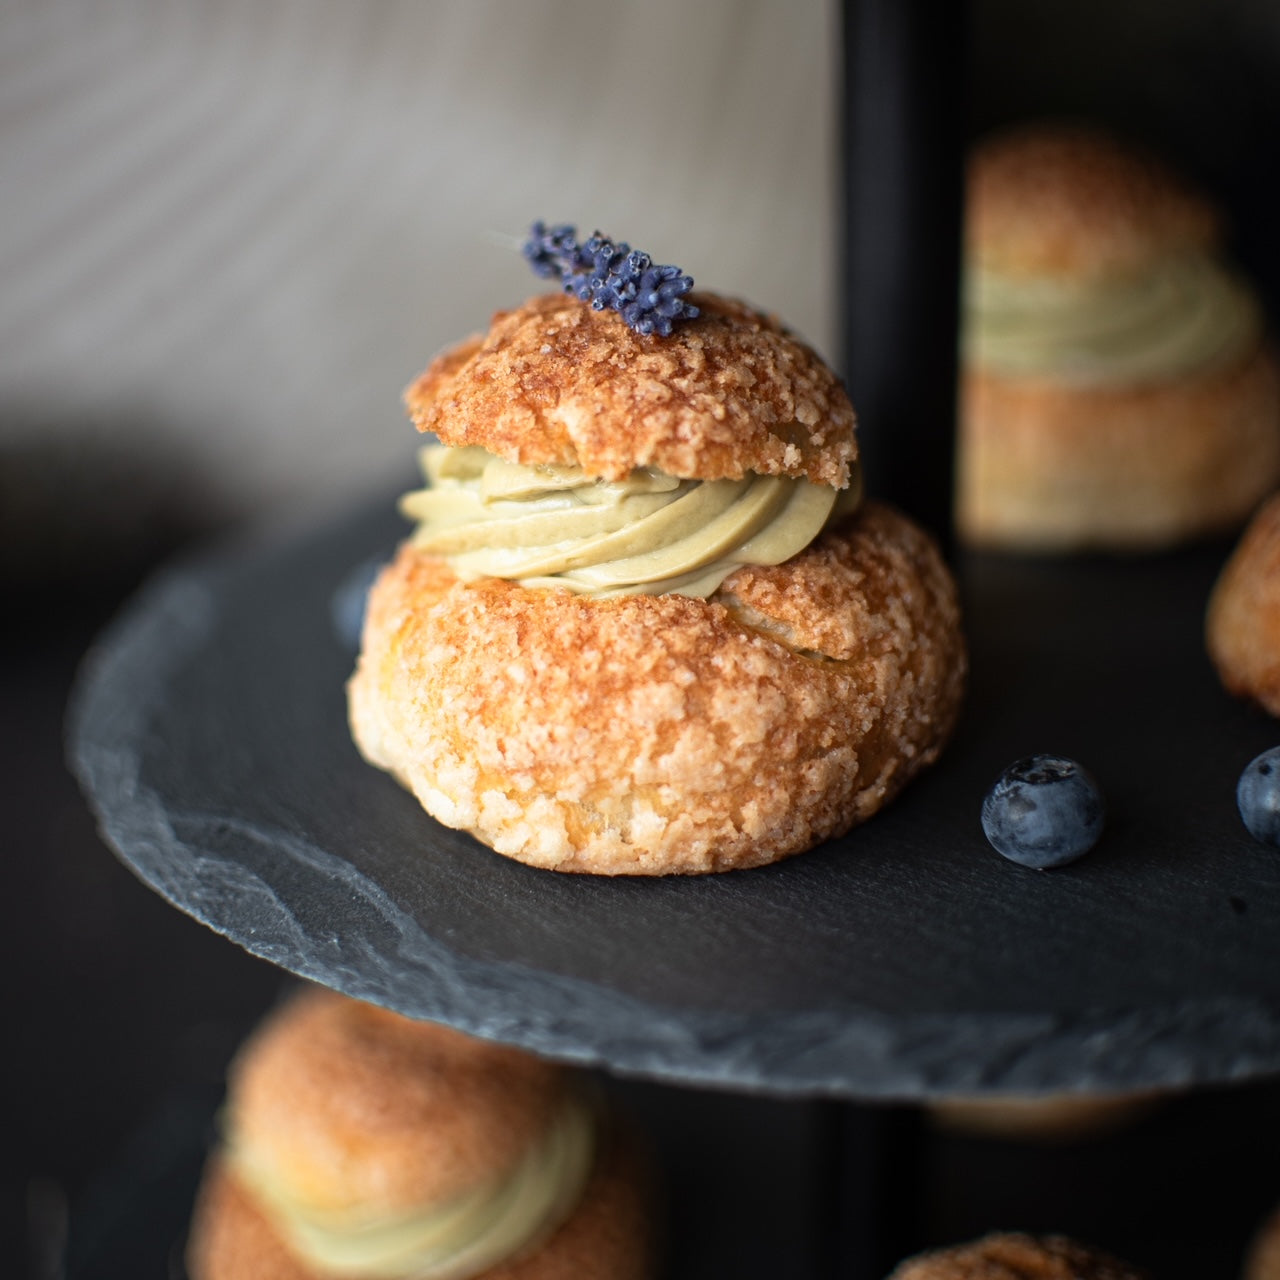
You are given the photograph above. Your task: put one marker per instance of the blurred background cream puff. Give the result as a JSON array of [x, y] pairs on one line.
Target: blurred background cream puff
[[1118, 391], [1015, 1256], [359, 1143]]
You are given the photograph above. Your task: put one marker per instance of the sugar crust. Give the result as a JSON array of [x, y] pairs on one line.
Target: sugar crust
[[359, 1106], [608, 1237], [1013, 1256], [1066, 200], [1048, 467], [1242, 624], [662, 734], [554, 382]]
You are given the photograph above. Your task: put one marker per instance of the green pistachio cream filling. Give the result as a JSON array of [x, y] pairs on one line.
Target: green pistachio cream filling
[[552, 526], [1186, 315], [450, 1241]]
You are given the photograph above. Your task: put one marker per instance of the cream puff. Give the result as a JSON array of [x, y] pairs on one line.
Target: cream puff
[[1117, 389], [1012, 1256], [361, 1144], [645, 624], [1242, 624]]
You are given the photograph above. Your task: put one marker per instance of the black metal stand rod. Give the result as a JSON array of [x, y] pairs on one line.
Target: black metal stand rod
[[903, 121], [870, 1161], [904, 110]]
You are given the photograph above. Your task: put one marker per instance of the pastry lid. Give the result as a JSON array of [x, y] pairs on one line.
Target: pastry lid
[[555, 382]]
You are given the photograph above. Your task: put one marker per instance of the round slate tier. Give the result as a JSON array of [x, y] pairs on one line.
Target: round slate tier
[[906, 960]]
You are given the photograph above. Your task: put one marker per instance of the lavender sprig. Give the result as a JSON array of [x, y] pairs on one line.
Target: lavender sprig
[[649, 297], [550, 251]]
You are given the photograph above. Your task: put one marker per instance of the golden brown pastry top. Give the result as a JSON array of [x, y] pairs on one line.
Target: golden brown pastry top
[[1067, 200], [357, 1106], [554, 382], [1015, 1257]]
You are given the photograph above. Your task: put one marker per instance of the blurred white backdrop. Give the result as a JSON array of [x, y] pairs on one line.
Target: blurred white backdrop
[[233, 231]]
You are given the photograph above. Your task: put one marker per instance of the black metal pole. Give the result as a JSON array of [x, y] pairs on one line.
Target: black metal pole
[[903, 120], [903, 123], [870, 1167]]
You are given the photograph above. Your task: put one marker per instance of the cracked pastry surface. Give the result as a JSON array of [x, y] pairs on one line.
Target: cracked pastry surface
[[1013, 1256], [665, 734], [555, 383]]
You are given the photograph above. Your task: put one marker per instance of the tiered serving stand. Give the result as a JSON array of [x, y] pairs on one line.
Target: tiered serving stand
[[903, 963]]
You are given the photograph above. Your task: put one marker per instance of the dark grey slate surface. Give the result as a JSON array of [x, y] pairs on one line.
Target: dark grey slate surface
[[906, 960]]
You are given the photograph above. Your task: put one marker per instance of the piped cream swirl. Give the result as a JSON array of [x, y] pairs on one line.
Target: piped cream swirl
[[1187, 314], [451, 1241], [551, 526]]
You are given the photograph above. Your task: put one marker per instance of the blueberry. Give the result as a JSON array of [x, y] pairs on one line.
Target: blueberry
[[1258, 796], [347, 604], [1044, 811]]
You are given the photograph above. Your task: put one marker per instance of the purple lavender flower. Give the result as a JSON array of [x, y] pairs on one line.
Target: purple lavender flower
[[548, 250], [611, 275]]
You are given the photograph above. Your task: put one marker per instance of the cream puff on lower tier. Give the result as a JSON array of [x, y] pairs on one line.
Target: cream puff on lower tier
[[645, 625], [361, 1145], [1118, 391], [1013, 1256]]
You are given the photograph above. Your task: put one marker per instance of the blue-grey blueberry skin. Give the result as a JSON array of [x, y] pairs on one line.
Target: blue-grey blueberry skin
[[347, 605], [1044, 811], [1258, 797]]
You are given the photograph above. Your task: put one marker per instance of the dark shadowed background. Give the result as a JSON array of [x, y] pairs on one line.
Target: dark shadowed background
[[231, 232]]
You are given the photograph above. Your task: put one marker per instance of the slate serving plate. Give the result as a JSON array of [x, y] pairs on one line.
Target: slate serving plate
[[906, 960]]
